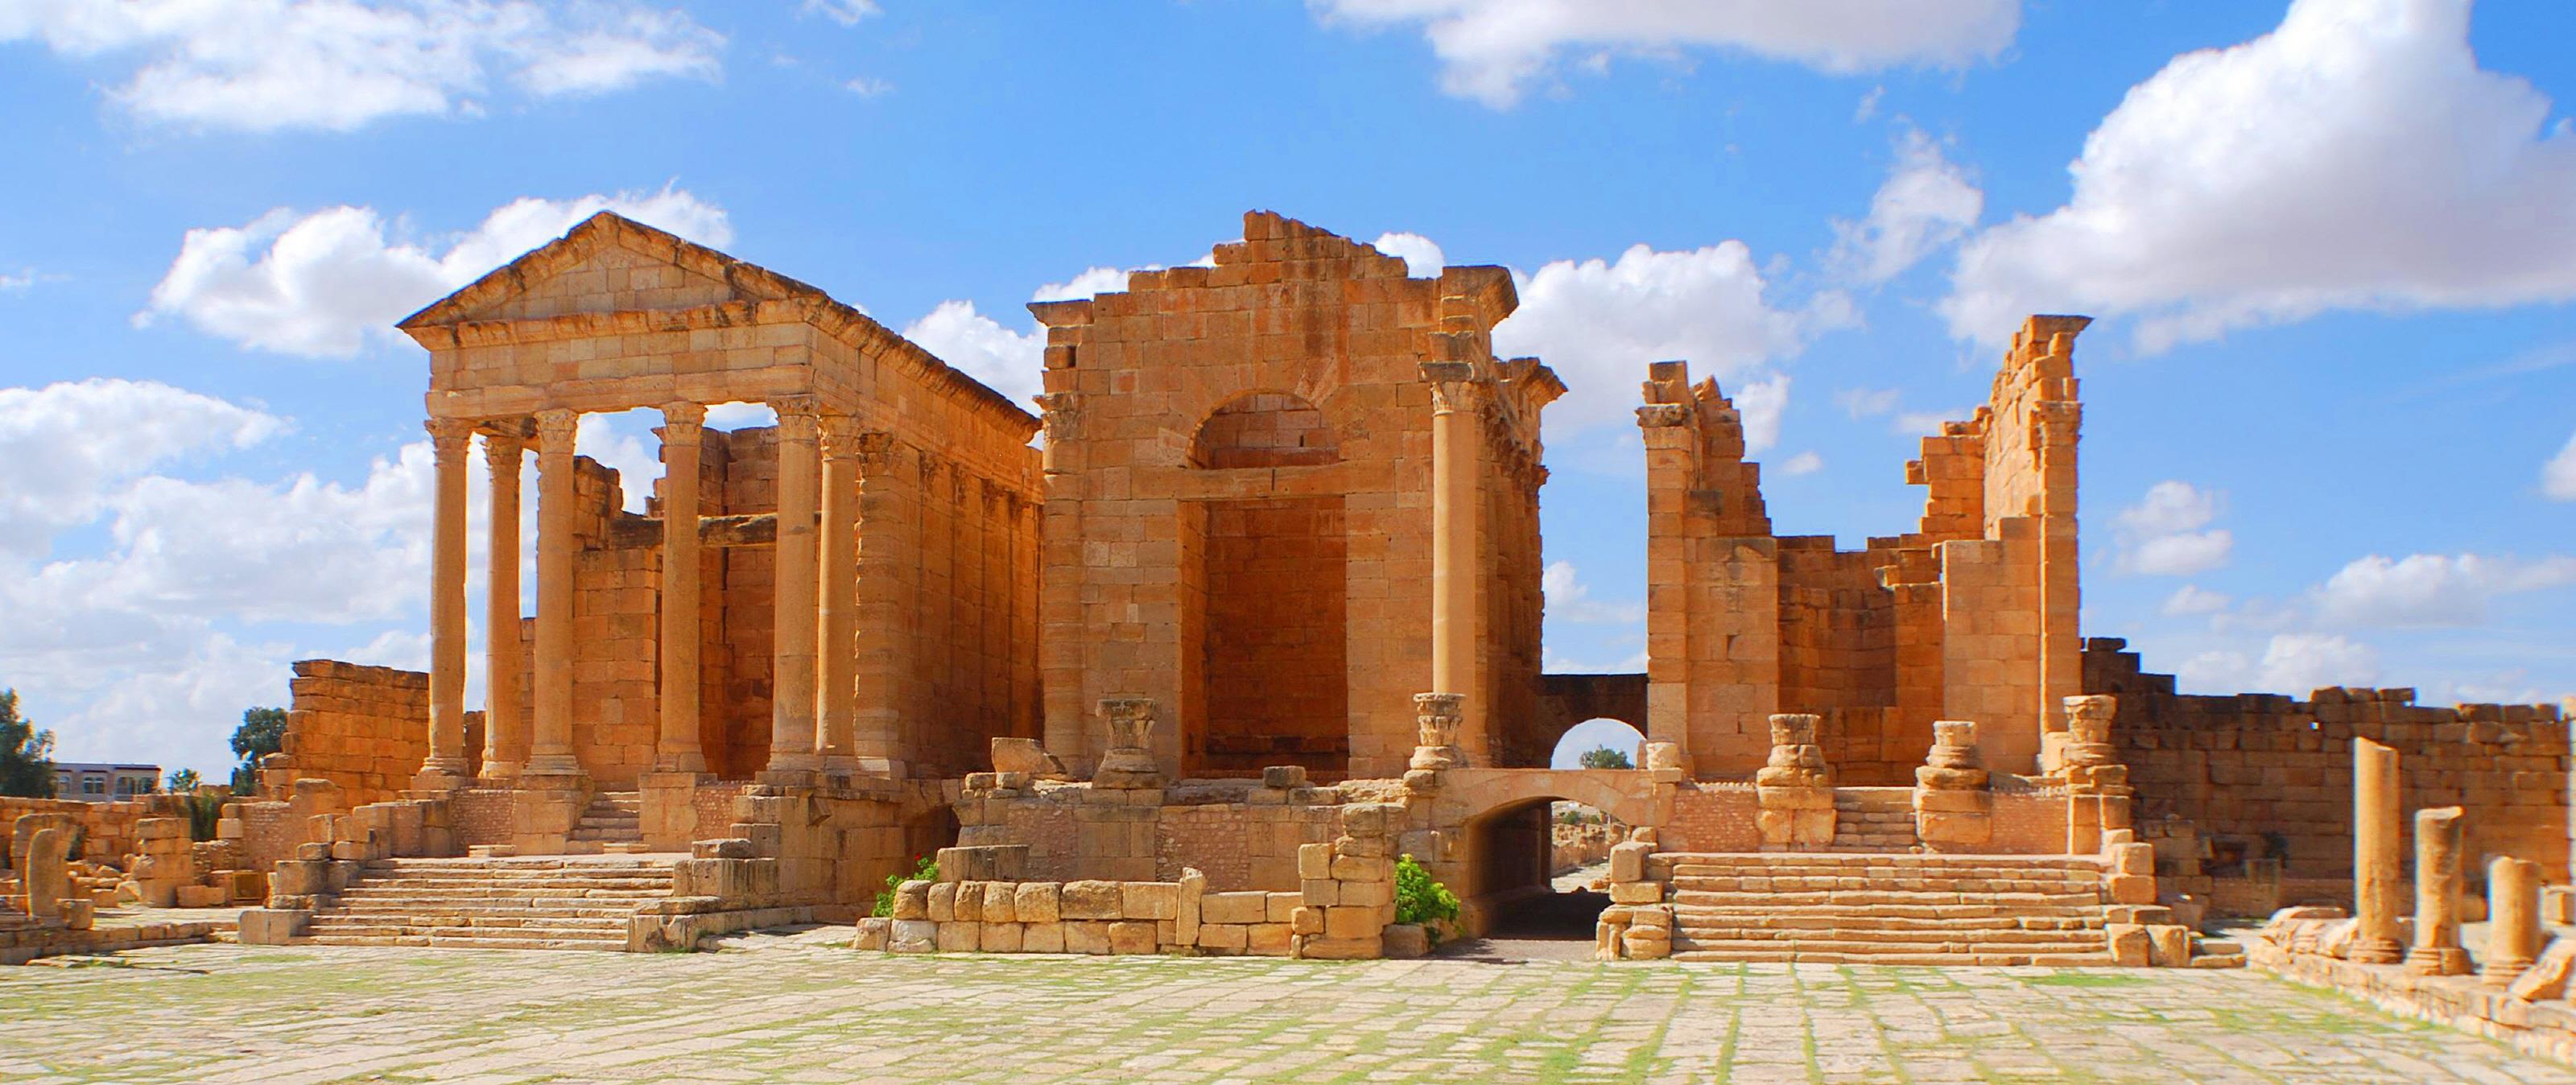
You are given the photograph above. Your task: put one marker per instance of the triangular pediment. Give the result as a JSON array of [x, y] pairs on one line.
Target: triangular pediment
[[609, 263]]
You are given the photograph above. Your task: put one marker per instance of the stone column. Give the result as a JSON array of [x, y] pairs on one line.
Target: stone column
[[445, 766], [2437, 949], [1794, 792], [1129, 762], [1454, 445], [2513, 919], [886, 630], [505, 717], [2378, 880], [791, 711], [683, 431], [835, 664], [550, 750]]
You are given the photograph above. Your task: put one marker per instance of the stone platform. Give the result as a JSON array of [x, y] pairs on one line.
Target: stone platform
[[534, 902]]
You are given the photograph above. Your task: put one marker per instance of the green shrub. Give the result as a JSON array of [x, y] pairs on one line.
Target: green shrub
[[924, 869], [1420, 899], [204, 811]]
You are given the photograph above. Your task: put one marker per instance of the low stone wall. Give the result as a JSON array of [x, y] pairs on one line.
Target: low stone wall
[[2545, 1027], [1095, 917], [1242, 834], [106, 829], [25, 944]]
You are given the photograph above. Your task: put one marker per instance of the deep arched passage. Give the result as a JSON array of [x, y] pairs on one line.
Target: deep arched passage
[[1264, 598], [1512, 888]]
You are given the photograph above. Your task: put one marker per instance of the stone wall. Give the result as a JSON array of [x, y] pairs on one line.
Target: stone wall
[[1304, 351], [106, 828], [1971, 617], [2265, 776], [363, 728], [1242, 835]]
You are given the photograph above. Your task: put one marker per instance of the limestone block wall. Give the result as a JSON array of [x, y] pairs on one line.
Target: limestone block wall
[[1086, 916], [2264, 775], [1712, 817], [1972, 616], [1242, 835], [363, 728], [106, 828], [1303, 350]]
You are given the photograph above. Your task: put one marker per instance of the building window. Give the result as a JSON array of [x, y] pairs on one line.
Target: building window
[[93, 785]]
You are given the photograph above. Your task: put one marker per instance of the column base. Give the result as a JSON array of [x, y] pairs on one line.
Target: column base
[[498, 771], [689, 760], [795, 762], [2376, 951], [555, 765], [2447, 961], [888, 767], [779, 777], [440, 774]]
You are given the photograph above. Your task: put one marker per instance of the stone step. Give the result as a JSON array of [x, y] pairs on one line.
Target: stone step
[[1835, 938], [447, 940], [1762, 953], [1724, 857], [1754, 918], [1869, 897], [549, 927], [1812, 883], [419, 906]]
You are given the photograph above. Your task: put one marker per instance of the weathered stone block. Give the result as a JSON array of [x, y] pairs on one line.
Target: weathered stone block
[[1035, 902], [872, 933], [1086, 936], [1132, 937], [1405, 941], [1091, 900], [912, 900], [2129, 944], [960, 937], [1001, 937], [913, 936], [1269, 939], [1367, 894], [1042, 938], [1314, 861], [2169, 945], [271, 926], [1226, 908], [1349, 922], [1636, 892], [943, 902], [1224, 935], [1307, 919], [1149, 900], [2130, 888], [966, 905], [1628, 862]]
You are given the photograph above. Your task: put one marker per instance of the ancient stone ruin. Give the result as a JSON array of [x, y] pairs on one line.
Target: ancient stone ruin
[[1255, 621]]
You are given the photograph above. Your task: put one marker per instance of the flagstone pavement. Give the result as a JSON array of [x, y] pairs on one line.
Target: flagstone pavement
[[799, 1007]]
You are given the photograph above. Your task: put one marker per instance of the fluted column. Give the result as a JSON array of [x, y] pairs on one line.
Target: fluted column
[[683, 428], [886, 559], [1454, 444], [836, 710], [791, 701], [550, 750], [2378, 878], [449, 440], [505, 717]]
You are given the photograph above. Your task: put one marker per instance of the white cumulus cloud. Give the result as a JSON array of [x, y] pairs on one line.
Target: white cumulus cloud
[[1492, 50], [1926, 203], [338, 65], [1421, 255], [2167, 532], [325, 283], [65, 447], [2292, 663], [2558, 476], [1006, 361], [1600, 323], [1570, 599], [2355, 157], [2431, 589]]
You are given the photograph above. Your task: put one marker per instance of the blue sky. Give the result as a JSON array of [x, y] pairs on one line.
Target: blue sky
[[2330, 429]]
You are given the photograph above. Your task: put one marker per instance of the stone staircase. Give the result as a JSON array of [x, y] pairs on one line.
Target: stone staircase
[[1885, 908], [614, 822], [537, 902], [1874, 819]]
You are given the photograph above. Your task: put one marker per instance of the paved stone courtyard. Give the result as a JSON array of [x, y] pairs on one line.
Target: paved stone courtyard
[[798, 1008]]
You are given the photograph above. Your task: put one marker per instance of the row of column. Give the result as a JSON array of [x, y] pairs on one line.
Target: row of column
[[816, 598], [2514, 933]]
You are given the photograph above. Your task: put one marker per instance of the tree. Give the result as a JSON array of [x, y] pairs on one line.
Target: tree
[[26, 753], [1603, 757], [183, 781], [262, 731]]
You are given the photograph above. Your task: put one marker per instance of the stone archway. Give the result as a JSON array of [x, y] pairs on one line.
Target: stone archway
[[1498, 823]]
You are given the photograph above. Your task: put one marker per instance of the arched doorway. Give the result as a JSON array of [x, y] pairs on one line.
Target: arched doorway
[[1591, 737], [1521, 883], [1264, 597]]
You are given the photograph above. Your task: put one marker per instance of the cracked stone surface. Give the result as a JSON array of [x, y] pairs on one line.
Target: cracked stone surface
[[799, 1007]]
